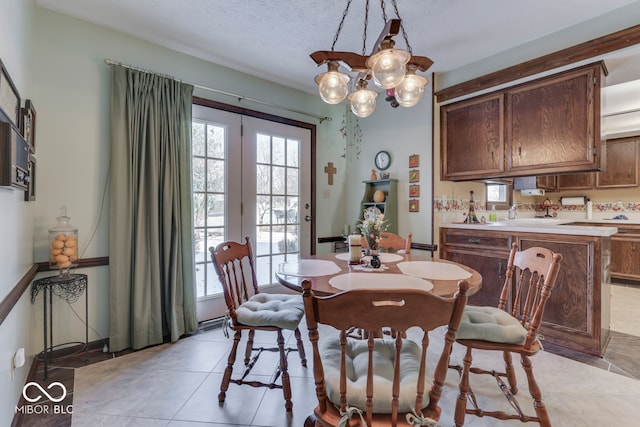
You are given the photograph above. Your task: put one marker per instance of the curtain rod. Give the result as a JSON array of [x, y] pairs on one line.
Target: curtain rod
[[239, 97]]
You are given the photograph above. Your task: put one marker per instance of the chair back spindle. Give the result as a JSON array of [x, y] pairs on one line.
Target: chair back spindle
[[235, 269]]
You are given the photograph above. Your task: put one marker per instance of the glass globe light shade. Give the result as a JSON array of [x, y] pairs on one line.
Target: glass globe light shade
[[333, 85], [388, 66], [363, 100], [410, 90]]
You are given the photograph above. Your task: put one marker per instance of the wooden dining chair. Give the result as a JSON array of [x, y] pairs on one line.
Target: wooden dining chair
[[379, 381], [390, 242], [512, 327], [251, 311]]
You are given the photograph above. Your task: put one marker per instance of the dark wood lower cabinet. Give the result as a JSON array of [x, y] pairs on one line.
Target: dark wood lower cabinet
[[487, 253], [491, 267], [625, 253], [577, 314]]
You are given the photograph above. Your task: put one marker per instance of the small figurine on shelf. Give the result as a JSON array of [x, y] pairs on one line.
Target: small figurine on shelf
[[471, 215], [374, 175]]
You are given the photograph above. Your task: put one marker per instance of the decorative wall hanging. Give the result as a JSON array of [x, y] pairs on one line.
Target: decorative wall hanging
[[330, 170], [414, 191], [9, 98], [414, 175], [414, 205], [30, 193], [28, 124], [414, 161]]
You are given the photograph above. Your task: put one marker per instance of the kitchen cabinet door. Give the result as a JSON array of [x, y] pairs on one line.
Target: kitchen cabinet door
[[621, 168], [575, 181], [553, 124], [576, 315], [472, 138], [625, 254], [546, 182], [485, 252], [492, 268]]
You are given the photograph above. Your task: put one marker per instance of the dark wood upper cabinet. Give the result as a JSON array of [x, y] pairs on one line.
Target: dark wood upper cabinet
[[545, 126], [554, 123], [473, 138], [621, 164], [575, 181]]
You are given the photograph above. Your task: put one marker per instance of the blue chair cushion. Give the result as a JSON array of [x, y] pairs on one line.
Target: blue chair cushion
[[490, 324], [282, 311], [357, 359]]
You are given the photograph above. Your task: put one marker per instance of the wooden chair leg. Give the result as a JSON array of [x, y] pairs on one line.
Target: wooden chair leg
[[249, 349], [461, 403], [286, 384], [229, 369], [510, 371], [536, 394], [301, 353]]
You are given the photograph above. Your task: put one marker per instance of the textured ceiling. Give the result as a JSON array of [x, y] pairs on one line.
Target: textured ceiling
[[272, 39]]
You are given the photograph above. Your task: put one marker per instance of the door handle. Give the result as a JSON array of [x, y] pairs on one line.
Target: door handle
[[307, 218]]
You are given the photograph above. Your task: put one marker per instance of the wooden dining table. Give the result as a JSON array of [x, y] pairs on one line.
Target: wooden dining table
[[332, 273]]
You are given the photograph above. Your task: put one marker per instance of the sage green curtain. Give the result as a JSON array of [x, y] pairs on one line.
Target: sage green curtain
[[151, 268]]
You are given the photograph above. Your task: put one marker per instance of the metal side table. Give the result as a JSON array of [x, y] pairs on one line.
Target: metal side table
[[68, 287]]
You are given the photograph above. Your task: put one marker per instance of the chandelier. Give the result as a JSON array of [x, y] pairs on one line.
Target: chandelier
[[391, 69]]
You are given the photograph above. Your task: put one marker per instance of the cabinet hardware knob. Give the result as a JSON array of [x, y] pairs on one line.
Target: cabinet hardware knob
[[475, 241]]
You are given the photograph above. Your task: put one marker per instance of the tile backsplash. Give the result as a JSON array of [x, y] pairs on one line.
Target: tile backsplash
[[455, 209]]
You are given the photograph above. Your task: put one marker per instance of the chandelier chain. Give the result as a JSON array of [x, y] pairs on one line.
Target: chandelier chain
[[404, 32], [364, 31], [344, 15]]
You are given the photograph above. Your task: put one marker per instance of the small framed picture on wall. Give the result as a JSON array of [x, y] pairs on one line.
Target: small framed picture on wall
[[414, 190], [414, 161], [414, 205], [29, 124], [414, 175]]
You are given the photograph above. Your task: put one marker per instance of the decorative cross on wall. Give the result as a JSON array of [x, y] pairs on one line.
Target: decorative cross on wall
[[330, 170]]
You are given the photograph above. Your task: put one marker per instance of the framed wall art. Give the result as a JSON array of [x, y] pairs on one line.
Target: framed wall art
[[28, 127], [414, 161], [414, 190], [9, 98], [30, 193], [414, 205], [414, 175]]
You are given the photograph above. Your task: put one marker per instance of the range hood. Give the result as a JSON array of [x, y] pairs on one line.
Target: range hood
[[527, 186]]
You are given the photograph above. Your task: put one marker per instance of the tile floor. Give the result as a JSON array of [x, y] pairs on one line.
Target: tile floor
[[176, 385]]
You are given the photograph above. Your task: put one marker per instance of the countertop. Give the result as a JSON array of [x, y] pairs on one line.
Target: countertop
[[546, 225]]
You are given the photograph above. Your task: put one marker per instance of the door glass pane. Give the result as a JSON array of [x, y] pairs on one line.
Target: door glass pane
[[277, 188], [208, 160]]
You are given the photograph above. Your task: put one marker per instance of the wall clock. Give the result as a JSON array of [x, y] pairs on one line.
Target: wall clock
[[383, 160]]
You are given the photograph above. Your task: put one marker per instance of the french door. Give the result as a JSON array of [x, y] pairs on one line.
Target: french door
[[251, 177]]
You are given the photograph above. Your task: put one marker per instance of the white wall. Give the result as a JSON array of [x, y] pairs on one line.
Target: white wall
[[402, 132], [16, 252]]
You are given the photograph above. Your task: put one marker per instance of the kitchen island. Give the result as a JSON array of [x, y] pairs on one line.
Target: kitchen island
[[577, 314]]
